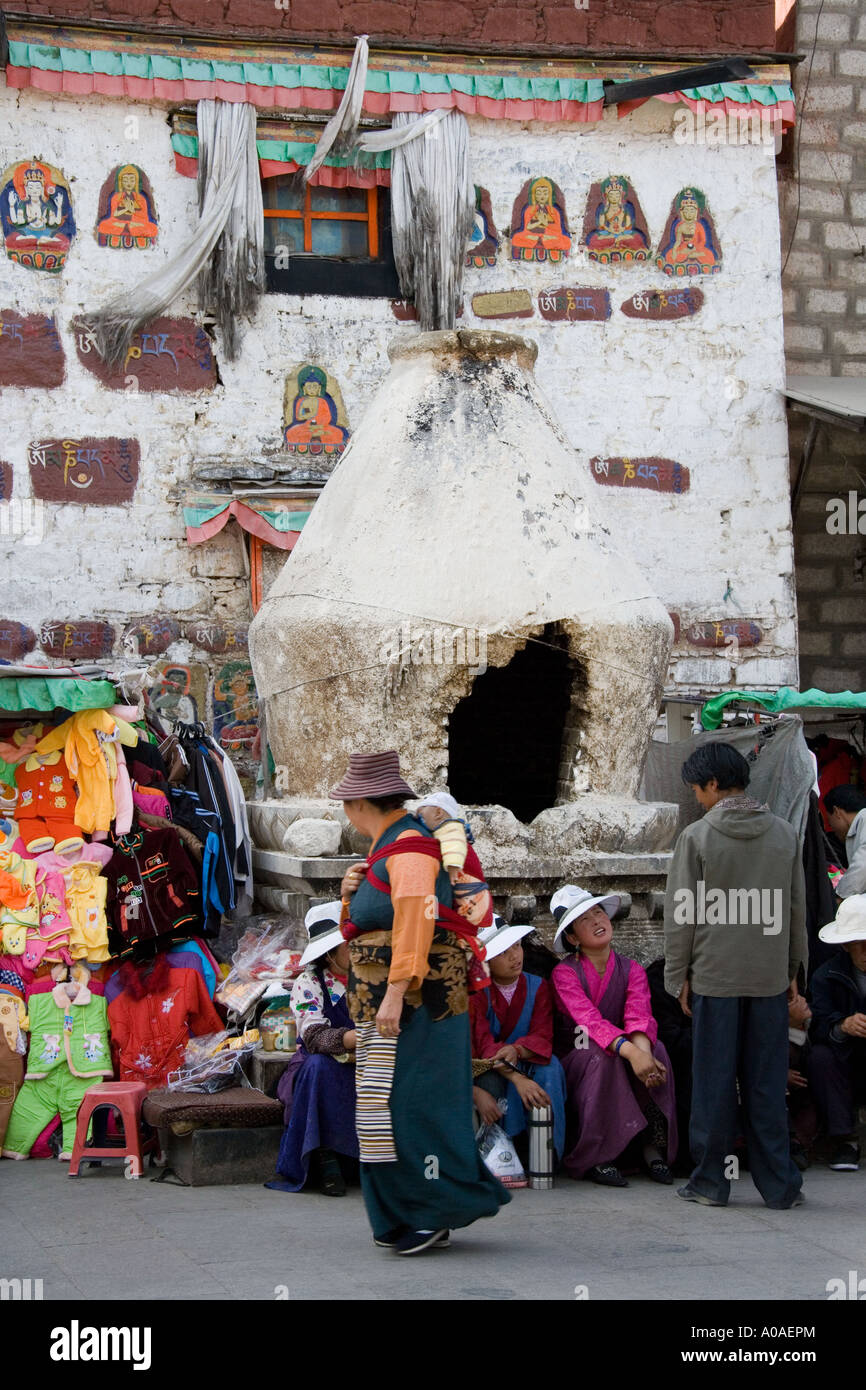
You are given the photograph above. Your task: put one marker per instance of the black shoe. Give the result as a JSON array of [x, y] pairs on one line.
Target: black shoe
[[389, 1240], [799, 1155], [689, 1194], [846, 1159], [660, 1172], [331, 1180], [413, 1242], [606, 1175]]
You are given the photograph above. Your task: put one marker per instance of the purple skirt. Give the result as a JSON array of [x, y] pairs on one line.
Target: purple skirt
[[610, 1104], [319, 1098]]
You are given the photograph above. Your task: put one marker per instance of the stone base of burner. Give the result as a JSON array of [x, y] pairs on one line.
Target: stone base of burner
[[606, 844]]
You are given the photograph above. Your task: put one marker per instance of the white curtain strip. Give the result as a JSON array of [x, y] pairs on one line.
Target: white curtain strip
[[432, 208], [342, 128], [225, 253]]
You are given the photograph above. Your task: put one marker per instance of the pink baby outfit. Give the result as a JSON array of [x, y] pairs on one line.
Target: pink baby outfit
[[86, 892]]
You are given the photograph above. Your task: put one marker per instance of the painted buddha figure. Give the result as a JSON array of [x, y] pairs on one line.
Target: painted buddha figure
[[37, 217], [691, 247], [130, 220], [314, 426], [615, 225], [542, 234]]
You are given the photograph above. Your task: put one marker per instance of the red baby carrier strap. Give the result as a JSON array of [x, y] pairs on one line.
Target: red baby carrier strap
[[446, 917]]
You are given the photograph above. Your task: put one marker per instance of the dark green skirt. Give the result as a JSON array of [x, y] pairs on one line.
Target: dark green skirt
[[439, 1179]]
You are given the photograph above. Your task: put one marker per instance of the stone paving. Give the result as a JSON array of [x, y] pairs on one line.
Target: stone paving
[[101, 1237]]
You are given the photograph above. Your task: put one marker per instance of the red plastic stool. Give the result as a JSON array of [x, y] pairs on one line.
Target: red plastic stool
[[126, 1097]]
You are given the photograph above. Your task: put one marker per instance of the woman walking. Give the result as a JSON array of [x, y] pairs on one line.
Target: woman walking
[[410, 958]]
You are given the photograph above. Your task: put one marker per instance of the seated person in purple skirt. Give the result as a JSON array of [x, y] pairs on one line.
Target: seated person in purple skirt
[[318, 1086], [618, 1076]]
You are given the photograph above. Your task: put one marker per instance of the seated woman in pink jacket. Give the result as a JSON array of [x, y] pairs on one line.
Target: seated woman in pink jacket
[[618, 1076]]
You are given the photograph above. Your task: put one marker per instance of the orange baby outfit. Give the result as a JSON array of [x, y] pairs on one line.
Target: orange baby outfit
[[19, 904], [90, 762], [46, 804]]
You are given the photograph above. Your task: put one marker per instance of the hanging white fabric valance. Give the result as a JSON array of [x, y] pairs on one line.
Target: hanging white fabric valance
[[224, 256]]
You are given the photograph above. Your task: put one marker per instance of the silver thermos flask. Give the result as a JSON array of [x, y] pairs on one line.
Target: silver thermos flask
[[541, 1148]]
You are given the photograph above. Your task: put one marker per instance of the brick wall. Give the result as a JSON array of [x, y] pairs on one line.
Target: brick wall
[[641, 26], [825, 334], [825, 279]]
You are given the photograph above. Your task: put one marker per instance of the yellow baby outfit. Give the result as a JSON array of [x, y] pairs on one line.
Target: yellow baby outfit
[[92, 761]]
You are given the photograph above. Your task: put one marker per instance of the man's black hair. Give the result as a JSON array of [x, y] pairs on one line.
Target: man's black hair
[[845, 798], [718, 760]]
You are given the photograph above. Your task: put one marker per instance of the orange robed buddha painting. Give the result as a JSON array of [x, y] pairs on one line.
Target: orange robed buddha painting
[[539, 230], [126, 213], [315, 419]]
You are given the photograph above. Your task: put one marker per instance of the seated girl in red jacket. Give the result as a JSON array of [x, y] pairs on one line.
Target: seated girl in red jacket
[[512, 1021]]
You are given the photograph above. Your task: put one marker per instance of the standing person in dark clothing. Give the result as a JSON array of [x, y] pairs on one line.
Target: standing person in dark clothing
[[735, 938], [675, 1031], [837, 1066]]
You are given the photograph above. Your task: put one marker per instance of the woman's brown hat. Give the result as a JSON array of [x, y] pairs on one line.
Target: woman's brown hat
[[370, 775]]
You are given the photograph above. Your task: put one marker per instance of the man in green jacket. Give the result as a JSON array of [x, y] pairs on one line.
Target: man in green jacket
[[735, 938]]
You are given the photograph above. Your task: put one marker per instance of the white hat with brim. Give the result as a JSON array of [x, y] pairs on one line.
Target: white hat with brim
[[322, 923], [571, 902], [502, 939], [849, 924]]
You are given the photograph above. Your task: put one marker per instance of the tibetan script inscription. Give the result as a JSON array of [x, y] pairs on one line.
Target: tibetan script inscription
[[90, 471], [167, 355], [31, 353], [76, 641], [151, 636], [574, 306], [215, 637], [723, 633], [661, 475], [663, 304], [16, 640]]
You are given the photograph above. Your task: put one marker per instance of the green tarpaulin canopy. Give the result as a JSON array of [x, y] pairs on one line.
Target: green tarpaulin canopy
[[46, 693], [774, 702]]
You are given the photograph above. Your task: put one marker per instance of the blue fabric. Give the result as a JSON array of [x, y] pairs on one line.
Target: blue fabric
[[209, 894], [320, 1105], [323, 1117], [745, 1039], [550, 1076], [205, 967]]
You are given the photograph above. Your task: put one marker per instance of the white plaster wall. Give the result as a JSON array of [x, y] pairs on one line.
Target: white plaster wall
[[704, 391]]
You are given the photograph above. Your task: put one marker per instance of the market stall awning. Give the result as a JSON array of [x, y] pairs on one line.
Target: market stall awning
[[284, 149], [278, 521], [840, 396], [774, 702], [48, 692], [85, 62]]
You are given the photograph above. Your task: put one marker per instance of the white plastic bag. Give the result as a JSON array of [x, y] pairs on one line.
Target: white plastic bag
[[497, 1153]]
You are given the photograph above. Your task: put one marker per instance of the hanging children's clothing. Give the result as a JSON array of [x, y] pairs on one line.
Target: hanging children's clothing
[[19, 904], [47, 799], [91, 757], [13, 1022], [69, 1052], [153, 1018], [85, 893], [152, 889]]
